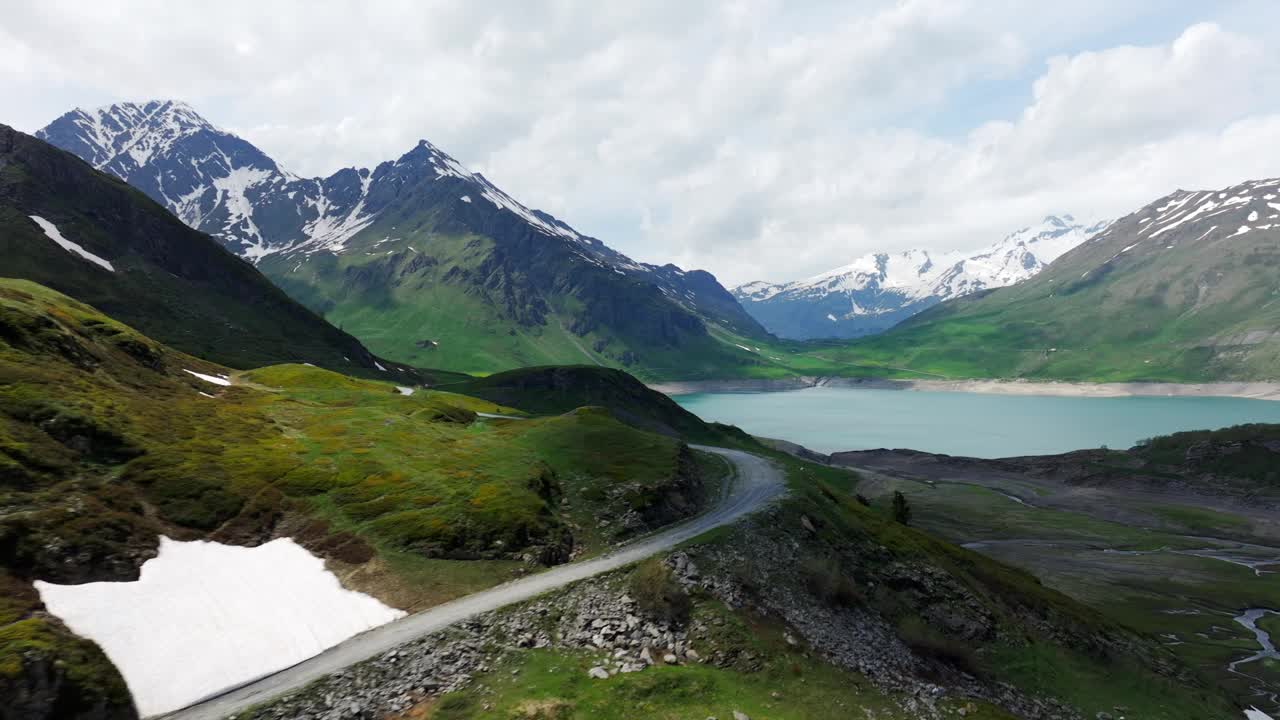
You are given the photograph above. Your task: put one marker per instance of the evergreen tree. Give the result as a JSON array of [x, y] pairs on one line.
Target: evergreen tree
[[901, 508]]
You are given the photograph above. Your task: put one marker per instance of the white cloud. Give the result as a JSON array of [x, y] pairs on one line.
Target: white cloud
[[754, 138], [1105, 133]]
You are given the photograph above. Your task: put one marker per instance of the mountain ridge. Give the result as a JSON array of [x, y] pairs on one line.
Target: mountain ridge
[[879, 290], [438, 252], [86, 234]]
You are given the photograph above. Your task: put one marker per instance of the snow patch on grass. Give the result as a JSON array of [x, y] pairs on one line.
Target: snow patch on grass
[[216, 380], [224, 615]]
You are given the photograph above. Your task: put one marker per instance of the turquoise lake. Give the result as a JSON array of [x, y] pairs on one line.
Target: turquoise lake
[[972, 424]]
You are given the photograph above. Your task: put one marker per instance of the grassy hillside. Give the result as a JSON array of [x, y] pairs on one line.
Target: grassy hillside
[[547, 390], [106, 442], [172, 282]]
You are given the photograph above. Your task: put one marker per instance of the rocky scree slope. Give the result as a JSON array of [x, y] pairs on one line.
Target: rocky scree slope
[[1182, 290], [424, 260], [876, 292]]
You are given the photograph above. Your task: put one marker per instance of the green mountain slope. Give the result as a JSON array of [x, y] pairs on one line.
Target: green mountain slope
[[450, 272], [108, 441], [425, 288], [168, 280], [1183, 290], [548, 390]]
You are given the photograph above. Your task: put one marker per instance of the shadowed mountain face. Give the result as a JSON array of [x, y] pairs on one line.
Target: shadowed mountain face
[[1182, 290], [88, 235], [877, 291], [422, 259]]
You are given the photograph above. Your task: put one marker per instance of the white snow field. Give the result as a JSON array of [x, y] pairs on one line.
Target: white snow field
[[215, 379], [52, 232], [204, 617]]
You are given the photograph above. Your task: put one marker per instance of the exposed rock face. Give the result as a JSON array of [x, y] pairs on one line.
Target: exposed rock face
[[682, 496]]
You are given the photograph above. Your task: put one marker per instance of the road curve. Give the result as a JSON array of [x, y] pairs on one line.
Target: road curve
[[757, 481]]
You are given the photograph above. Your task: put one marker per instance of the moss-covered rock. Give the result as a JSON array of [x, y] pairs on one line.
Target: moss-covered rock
[[46, 673]]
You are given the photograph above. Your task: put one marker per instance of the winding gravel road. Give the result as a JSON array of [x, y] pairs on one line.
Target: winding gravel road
[[757, 481]]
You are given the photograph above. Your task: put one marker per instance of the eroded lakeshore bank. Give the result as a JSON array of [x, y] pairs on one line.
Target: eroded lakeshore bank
[[1248, 390]]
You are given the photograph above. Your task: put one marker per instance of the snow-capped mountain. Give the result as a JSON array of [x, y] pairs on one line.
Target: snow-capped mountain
[[320, 238], [1181, 290], [221, 184], [87, 235], [877, 291]]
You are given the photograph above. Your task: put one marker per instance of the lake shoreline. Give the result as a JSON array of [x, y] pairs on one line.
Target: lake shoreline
[[1246, 390]]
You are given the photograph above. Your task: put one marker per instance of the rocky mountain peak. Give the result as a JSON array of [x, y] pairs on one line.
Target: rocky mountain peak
[[293, 227], [128, 134]]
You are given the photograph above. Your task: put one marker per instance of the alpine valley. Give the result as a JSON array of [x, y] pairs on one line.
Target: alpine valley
[[425, 261], [432, 265], [214, 503], [283, 441]]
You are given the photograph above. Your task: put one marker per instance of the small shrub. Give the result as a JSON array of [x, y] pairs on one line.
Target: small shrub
[[544, 709], [901, 508], [826, 580], [455, 705], [930, 643], [658, 593], [862, 500], [669, 687], [310, 479]]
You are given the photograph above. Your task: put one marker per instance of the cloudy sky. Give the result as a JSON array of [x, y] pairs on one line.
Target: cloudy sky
[[751, 138]]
